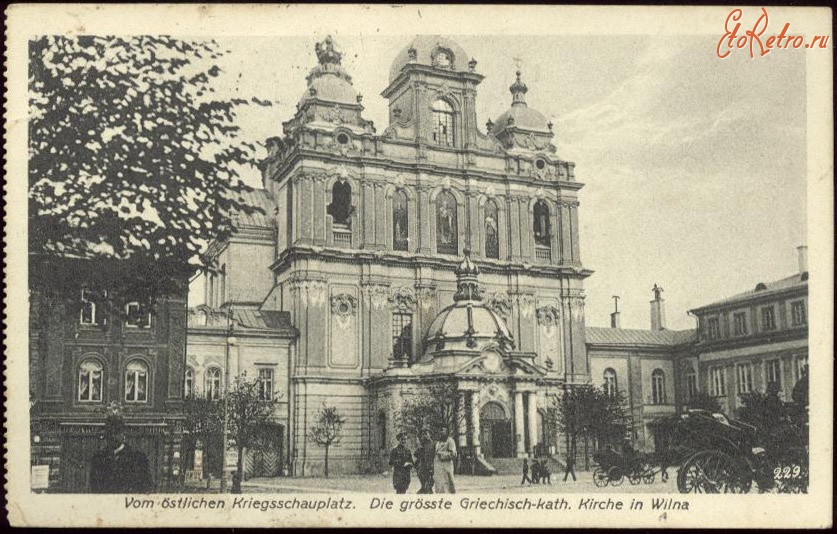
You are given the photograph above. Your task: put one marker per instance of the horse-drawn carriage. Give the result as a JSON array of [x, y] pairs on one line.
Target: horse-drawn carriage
[[613, 467], [731, 455]]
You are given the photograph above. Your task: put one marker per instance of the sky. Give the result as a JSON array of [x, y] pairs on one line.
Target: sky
[[694, 167]]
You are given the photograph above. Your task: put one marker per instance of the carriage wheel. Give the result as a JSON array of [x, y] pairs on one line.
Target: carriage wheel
[[614, 474], [599, 478], [713, 472], [635, 477], [649, 477]]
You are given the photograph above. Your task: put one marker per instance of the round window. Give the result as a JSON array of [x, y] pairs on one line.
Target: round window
[[343, 139], [344, 308], [540, 164]]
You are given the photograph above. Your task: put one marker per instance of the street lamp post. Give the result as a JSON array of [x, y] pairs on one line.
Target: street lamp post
[[229, 342]]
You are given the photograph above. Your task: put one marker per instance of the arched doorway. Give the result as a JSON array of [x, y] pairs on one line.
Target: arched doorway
[[496, 431]]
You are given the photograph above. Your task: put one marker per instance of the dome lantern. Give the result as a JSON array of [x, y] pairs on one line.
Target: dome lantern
[[518, 90], [467, 283]]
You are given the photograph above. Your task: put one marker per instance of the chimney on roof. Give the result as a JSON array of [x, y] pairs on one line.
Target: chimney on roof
[[658, 312], [803, 258], [614, 317]]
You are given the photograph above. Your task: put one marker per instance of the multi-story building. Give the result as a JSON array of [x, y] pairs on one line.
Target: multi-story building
[[750, 340], [93, 352]]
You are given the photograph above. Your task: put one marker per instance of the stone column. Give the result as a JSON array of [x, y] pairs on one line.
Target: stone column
[[475, 422], [519, 432], [533, 420]]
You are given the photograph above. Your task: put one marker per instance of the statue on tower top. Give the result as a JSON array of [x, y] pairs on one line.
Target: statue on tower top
[[327, 51]]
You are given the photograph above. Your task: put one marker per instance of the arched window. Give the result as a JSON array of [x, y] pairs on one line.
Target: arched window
[[136, 381], [658, 387], [90, 378], [212, 383], [541, 223], [341, 208], [447, 231], [400, 232], [442, 123], [610, 384], [492, 238], [189, 383]]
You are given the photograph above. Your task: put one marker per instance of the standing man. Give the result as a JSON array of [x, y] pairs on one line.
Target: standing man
[[525, 472], [570, 470], [425, 458], [118, 467], [443, 465], [401, 461]]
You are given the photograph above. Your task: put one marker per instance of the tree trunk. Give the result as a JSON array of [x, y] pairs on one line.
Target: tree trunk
[[239, 471], [586, 453], [326, 461]]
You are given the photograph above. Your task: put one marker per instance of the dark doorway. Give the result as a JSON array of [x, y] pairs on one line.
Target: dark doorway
[[496, 432]]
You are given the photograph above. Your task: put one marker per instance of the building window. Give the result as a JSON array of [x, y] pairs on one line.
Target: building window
[[212, 383], [713, 328], [402, 337], [541, 223], [400, 232], [447, 231], [266, 384], [801, 368], [658, 387], [189, 383], [610, 382], [442, 123], [492, 236], [768, 319], [745, 378], [691, 384], [341, 208], [88, 313], [739, 323], [718, 382], [136, 381], [137, 315], [90, 376], [798, 313], [773, 373]]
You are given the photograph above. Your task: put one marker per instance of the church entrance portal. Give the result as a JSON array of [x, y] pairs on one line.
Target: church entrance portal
[[496, 436]]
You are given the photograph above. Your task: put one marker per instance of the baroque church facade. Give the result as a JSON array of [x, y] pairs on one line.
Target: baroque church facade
[[433, 253], [369, 231]]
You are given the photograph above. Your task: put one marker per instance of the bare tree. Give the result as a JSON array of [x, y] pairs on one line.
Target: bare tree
[[327, 429], [249, 407], [435, 406]]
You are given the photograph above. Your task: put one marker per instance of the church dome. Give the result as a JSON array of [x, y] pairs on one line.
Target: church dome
[[433, 51], [330, 88], [329, 81], [468, 324], [520, 115]]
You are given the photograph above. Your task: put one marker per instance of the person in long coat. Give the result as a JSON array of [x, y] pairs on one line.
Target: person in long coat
[[425, 459], [401, 461], [443, 466], [118, 467]]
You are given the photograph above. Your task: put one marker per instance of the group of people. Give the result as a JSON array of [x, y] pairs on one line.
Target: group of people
[[433, 462], [538, 473]]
